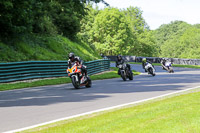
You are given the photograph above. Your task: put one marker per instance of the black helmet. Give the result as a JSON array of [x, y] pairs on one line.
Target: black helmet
[[163, 59], [71, 55], [119, 57]]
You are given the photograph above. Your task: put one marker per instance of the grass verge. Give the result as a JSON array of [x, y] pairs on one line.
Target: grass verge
[[179, 113], [62, 80]]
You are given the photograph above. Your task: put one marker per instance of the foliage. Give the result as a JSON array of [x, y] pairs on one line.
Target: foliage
[[178, 40], [135, 19], [112, 31], [169, 31], [144, 40], [146, 45], [44, 47], [185, 46], [39, 16]]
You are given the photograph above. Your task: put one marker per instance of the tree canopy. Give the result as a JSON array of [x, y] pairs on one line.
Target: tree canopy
[[110, 31], [42, 16], [113, 31], [178, 40]]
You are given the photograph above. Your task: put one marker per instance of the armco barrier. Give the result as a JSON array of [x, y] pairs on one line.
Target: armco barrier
[[18, 71], [157, 60], [128, 58]]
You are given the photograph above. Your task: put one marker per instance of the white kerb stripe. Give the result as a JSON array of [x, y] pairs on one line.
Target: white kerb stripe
[[99, 110]]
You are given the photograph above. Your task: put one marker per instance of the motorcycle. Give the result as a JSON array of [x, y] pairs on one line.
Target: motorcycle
[[150, 69], [125, 72], [168, 67], [78, 78]]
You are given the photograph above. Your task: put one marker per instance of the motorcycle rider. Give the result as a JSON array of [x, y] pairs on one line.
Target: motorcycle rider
[[144, 63], [163, 61], [75, 59], [121, 61]]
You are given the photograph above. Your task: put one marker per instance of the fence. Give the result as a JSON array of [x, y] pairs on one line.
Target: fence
[[18, 71], [157, 60]]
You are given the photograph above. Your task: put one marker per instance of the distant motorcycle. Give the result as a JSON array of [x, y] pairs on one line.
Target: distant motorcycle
[[125, 72], [168, 67], [78, 79], [150, 69]]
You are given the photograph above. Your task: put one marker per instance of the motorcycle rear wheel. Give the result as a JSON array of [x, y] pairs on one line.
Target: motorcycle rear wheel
[[130, 75], [171, 70], [89, 83]]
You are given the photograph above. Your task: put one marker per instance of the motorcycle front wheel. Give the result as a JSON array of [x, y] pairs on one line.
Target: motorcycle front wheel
[[151, 72], [75, 83], [123, 76]]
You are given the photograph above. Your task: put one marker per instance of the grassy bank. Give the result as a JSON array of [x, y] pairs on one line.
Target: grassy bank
[[178, 114], [41, 47], [62, 80]]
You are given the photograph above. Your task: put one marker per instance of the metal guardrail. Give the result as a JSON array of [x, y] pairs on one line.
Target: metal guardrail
[[18, 71], [157, 60]]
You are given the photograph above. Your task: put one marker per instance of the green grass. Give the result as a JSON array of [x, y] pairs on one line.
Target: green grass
[[177, 114], [41, 47], [187, 66], [62, 80]]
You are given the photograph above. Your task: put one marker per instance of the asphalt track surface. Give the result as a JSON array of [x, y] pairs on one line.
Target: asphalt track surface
[[30, 106]]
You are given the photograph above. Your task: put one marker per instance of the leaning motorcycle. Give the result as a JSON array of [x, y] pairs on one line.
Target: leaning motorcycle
[[125, 72], [150, 69], [168, 67], [78, 78]]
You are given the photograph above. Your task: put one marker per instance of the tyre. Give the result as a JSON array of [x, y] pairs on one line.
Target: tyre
[[171, 70], [151, 72], [89, 82], [123, 76], [75, 83], [130, 75]]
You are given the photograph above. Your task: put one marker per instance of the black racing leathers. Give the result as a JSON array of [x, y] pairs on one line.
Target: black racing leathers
[[118, 62], [163, 63]]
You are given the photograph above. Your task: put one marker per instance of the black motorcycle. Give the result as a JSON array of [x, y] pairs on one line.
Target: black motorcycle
[[125, 72]]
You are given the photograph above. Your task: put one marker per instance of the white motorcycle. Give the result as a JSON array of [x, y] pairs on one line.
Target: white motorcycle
[[150, 69], [168, 67]]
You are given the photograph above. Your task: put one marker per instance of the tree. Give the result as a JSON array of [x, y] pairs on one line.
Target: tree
[[111, 34], [42, 16], [15, 17], [135, 19], [186, 45]]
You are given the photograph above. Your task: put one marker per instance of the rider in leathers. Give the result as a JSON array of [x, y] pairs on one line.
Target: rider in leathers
[[75, 59], [121, 61], [144, 63], [163, 61]]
